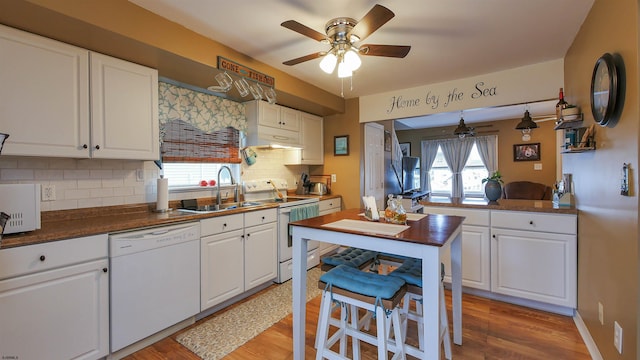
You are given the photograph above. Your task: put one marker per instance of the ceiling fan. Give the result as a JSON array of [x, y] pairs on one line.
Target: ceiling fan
[[342, 34]]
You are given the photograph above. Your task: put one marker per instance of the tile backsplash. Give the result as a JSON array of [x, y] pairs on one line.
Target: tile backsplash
[[84, 183]]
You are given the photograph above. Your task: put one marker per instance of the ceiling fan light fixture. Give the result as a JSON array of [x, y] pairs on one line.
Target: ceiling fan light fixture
[[352, 60], [328, 63], [344, 70]]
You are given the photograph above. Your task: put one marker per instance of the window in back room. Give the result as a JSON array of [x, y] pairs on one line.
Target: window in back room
[[472, 174]]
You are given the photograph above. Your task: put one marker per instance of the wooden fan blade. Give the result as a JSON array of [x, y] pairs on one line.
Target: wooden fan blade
[[372, 21], [305, 58], [398, 51], [304, 30]]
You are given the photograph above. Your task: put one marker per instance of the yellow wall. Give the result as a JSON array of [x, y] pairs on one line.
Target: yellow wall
[[347, 168], [507, 136], [608, 223]]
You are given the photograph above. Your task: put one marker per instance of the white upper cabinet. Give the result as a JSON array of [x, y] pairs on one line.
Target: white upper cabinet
[[48, 109], [272, 125], [124, 110], [44, 97]]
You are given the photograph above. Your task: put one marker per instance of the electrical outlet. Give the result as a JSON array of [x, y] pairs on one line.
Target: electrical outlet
[[140, 175], [601, 313], [617, 336], [48, 192], [333, 178], [537, 166]]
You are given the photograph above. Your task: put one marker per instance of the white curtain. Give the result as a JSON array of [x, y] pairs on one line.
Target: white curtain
[[456, 152], [486, 146], [429, 151]]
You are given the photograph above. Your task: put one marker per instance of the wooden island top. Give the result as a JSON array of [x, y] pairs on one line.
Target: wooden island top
[[430, 229]]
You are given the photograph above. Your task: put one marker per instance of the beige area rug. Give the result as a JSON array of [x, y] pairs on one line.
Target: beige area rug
[[227, 331]]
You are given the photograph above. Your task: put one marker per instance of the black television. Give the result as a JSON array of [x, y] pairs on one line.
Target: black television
[[409, 181]]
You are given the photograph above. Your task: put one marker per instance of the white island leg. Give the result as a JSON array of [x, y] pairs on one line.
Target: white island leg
[[299, 292]]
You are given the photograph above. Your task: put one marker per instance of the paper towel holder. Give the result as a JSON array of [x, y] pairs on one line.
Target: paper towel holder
[[166, 200]]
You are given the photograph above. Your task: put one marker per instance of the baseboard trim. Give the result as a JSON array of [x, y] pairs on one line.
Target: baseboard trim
[[586, 337]]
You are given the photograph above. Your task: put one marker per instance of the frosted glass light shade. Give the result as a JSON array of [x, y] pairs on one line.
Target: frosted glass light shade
[[352, 60], [328, 63], [344, 70]]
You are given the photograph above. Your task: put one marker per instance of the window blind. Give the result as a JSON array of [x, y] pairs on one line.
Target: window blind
[[183, 142]]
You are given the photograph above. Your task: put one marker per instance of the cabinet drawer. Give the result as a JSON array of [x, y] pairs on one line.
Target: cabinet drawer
[[270, 134], [220, 224], [472, 217], [39, 257], [555, 223], [260, 217], [330, 204]]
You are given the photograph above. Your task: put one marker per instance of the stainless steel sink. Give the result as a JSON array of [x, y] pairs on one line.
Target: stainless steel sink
[[205, 209]]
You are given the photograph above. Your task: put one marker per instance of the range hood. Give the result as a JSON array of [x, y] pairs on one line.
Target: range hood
[[268, 137]]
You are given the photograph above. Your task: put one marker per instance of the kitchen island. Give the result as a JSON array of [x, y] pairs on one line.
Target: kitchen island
[[518, 251], [426, 238]]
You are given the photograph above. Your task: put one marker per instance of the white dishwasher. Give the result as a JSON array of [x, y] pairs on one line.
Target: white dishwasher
[[155, 280]]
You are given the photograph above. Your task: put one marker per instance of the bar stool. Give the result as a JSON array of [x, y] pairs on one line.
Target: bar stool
[[353, 257], [379, 294], [411, 272]]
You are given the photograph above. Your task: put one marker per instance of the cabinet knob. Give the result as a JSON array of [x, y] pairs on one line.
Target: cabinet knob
[[493, 236], [42, 258], [97, 147], [85, 146], [530, 222], [224, 225], [263, 218], [105, 270], [248, 235]]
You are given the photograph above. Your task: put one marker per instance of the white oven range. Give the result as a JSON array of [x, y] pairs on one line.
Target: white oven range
[[262, 190]]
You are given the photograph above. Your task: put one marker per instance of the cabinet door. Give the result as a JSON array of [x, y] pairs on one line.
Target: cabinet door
[[328, 207], [475, 258], [289, 119], [56, 314], [268, 114], [222, 268], [260, 254], [44, 97], [312, 139], [124, 110], [534, 265]]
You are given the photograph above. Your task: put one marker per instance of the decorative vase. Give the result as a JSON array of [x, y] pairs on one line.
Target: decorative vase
[[493, 190]]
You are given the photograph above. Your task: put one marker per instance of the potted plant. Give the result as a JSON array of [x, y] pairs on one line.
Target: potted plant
[[493, 186]]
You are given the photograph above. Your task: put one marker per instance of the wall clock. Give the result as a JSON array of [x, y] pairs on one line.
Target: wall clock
[[606, 88]]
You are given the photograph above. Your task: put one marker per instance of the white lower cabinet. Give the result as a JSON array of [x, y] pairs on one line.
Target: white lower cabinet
[[54, 300], [238, 252], [528, 255], [534, 256], [476, 260], [327, 207]]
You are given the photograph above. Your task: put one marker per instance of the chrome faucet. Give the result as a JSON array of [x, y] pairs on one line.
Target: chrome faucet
[[233, 182]]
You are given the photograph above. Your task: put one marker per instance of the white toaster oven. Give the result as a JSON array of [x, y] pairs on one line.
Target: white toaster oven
[[22, 203]]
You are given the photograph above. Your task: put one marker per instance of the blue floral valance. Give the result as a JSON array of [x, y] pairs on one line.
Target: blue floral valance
[[205, 112]]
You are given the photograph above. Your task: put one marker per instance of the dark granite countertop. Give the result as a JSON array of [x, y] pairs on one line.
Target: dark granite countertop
[[68, 224], [546, 206]]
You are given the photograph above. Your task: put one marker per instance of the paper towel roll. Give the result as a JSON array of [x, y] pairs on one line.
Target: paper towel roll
[[162, 203]]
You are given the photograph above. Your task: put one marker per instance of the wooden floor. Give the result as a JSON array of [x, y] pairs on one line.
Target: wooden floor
[[491, 330]]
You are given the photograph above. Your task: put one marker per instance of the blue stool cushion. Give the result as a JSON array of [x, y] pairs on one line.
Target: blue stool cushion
[[411, 272], [364, 283], [353, 257]]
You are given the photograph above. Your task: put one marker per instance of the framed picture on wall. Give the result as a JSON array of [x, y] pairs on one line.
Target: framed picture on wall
[[406, 148], [526, 152], [341, 145]]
